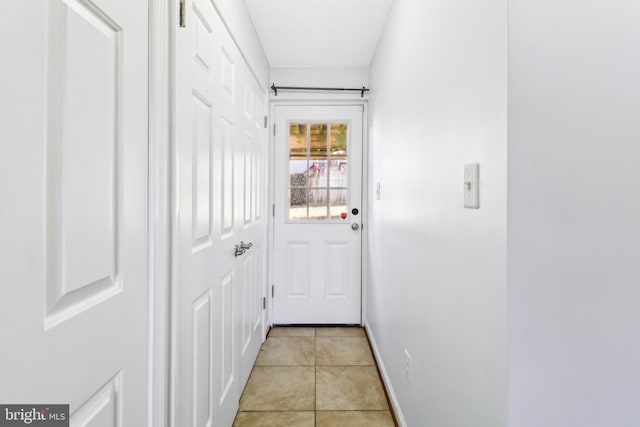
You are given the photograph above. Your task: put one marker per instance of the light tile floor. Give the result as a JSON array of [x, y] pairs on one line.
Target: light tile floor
[[322, 377]]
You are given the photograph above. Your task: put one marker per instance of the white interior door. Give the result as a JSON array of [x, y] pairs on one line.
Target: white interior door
[[219, 160], [251, 172], [318, 198], [73, 215]]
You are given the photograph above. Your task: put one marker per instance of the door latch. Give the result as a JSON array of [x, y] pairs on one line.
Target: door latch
[[241, 248]]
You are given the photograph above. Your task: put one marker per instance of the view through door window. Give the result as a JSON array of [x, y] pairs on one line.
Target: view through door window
[[318, 178]]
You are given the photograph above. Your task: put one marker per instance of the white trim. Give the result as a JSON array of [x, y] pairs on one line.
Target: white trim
[[158, 215], [271, 224], [385, 378], [173, 214], [364, 261], [267, 203]]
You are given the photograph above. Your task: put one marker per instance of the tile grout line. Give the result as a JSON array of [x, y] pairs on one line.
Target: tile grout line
[[260, 411], [316, 365]]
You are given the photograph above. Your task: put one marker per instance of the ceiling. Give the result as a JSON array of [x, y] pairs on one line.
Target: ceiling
[[319, 33]]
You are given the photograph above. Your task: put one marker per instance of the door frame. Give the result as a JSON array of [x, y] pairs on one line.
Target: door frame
[[273, 104], [159, 215]]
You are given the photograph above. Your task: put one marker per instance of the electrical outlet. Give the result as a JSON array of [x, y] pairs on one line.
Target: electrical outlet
[[407, 365]]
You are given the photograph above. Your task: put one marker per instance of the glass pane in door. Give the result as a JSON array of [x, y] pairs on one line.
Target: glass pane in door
[[298, 204], [338, 144], [318, 179], [338, 204], [298, 155]]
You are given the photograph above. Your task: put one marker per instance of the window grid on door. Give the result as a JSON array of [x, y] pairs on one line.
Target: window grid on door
[[318, 172]]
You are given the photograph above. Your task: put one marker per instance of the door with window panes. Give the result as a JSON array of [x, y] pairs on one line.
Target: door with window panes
[[318, 204]]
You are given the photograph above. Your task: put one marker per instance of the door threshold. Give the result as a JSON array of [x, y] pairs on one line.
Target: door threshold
[[317, 325]]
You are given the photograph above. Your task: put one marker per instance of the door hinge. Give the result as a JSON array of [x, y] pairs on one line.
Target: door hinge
[[183, 20], [273, 210], [264, 303], [273, 290], [274, 129], [265, 122]]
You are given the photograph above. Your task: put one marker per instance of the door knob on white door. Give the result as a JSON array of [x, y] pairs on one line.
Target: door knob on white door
[[355, 226], [241, 248]]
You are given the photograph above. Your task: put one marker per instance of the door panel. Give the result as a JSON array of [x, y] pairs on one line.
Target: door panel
[[253, 226], [202, 352], [218, 153], [318, 173], [74, 217], [336, 276]]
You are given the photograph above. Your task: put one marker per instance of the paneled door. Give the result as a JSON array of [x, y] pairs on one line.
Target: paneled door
[[74, 210], [219, 174], [318, 204]]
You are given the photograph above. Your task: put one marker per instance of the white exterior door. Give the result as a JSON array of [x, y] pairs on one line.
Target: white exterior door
[[318, 204], [219, 160], [73, 213]]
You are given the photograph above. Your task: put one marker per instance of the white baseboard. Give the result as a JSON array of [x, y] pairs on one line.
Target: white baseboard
[[385, 378]]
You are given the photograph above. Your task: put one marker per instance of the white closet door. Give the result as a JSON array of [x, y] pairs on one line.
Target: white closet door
[[219, 172], [73, 219]]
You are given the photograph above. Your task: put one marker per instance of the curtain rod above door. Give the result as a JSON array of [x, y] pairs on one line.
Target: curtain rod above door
[[362, 90]]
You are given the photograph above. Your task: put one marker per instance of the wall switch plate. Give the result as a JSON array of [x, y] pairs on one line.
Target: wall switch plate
[[471, 185]]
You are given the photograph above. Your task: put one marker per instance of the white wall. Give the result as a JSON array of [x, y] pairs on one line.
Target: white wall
[[356, 77], [437, 272], [574, 213]]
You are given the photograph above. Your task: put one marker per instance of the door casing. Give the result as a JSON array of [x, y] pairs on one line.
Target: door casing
[[160, 87]]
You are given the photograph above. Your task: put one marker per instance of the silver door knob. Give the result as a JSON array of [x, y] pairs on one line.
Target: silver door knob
[[355, 226], [241, 248]]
